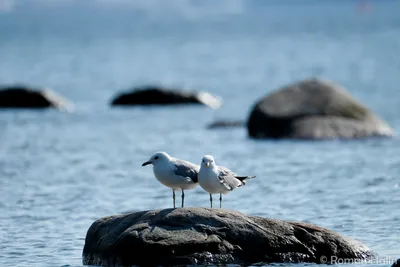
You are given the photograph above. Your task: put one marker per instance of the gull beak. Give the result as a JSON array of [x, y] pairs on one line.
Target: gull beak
[[146, 163], [207, 164]]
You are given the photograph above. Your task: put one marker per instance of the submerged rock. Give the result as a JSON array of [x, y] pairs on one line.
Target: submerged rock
[[313, 109], [211, 236], [24, 97], [225, 124], [161, 96]]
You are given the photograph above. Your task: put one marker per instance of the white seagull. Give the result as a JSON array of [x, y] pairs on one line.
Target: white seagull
[[174, 173], [217, 179]]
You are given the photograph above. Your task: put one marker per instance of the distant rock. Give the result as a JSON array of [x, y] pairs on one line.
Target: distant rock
[[211, 236], [25, 97], [150, 95], [225, 124], [396, 263], [314, 109]]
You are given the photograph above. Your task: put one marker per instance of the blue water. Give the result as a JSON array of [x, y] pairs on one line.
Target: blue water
[[61, 171]]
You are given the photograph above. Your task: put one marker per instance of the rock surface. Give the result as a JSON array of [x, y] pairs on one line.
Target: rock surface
[[313, 109], [151, 95], [396, 263], [210, 236], [24, 97]]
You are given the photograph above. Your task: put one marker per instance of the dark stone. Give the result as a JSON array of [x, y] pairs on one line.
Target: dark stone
[[313, 109], [396, 263], [151, 95], [24, 97], [225, 124], [211, 236]]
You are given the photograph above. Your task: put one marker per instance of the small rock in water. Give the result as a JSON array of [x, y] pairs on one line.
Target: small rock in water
[[25, 97], [225, 124], [154, 95]]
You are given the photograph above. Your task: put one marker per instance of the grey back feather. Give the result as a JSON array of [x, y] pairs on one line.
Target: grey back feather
[[226, 171], [228, 178], [186, 169]]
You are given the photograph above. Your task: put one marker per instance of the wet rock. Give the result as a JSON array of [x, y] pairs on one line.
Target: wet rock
[[211, 236], [151, 95], [25, 97], [225, 124], [314, 109]]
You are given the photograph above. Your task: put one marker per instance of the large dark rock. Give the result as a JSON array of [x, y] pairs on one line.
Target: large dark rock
[[313, 109], [211, 236], [396, 263], [24, 97], [151, 95]]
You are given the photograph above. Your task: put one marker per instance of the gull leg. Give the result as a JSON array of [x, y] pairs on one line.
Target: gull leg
[[183, 198], [173, 197], [210, 200], [220, 200]]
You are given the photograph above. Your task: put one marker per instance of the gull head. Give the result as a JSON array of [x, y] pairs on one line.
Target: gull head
[[208, 161], [157, 158]]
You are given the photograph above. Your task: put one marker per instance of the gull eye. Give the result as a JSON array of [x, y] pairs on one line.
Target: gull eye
[[156, 157]]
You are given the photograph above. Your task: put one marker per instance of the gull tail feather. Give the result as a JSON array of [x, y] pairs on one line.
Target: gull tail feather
[[244, 178]]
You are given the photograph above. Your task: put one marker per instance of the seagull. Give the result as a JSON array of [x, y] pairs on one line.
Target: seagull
[[217, 179], [174, 173]]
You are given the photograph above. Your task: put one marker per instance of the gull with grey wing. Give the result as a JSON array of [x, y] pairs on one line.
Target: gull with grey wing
[[218, 179], [174, 173]]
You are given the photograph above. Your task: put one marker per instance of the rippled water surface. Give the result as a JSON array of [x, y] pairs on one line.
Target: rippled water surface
[[61, 171]]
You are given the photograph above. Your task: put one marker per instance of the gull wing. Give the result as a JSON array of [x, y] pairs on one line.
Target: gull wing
[[228, 178], [187, 169]]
